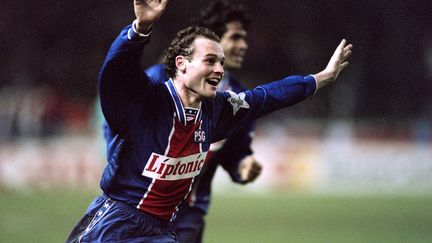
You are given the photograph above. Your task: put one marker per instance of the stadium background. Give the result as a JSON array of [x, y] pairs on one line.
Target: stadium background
[[352, 164]]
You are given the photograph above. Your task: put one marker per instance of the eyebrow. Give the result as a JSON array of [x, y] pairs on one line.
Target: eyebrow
[[214, 55]]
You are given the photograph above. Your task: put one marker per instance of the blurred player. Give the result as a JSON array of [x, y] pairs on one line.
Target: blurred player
[[156, 150], [230, 22]]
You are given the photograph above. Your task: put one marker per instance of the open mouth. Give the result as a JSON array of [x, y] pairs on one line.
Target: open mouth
[[213, 81], [238, 58]]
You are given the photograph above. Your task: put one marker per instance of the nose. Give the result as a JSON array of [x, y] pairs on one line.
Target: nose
[[243, 44], [219, 69]]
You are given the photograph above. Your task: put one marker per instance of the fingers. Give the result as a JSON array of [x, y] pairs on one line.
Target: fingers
[[148, 12], [254, 172], [256, 168], [340, 48], [348, 47], [163, 3], [343, 65], [249, 169], [347, 54], [347, 50], [342, 44], [342, 52], [338, 54], [335, 65], [343, 47]]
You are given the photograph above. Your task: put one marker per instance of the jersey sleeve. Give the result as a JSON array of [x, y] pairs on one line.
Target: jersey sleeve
[[123, 87], [157, 73], [234, 111]]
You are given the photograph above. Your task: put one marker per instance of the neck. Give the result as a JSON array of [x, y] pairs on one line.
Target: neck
[[188, 97]]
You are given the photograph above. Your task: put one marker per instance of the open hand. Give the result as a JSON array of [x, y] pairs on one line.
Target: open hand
[[147, 12], [336, 64]]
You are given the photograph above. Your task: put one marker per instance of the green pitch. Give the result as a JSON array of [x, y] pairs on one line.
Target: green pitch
[[49, 216], [321, 219]]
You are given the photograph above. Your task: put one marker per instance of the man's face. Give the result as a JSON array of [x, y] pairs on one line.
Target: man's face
[[204, 70], [234, 44]]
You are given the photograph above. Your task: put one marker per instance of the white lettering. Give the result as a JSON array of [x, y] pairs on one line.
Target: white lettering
[[166, 168]]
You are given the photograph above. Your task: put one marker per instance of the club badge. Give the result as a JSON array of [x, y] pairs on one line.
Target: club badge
[[199, 136]]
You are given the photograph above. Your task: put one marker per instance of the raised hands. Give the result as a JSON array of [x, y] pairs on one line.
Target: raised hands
[[147, 12], [336, 64]]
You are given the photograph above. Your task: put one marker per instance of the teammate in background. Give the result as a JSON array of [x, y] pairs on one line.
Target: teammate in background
[[156, 151], [230, 22]]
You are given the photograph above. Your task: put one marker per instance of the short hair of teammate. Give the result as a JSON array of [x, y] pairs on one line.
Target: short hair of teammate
[[219, 13]]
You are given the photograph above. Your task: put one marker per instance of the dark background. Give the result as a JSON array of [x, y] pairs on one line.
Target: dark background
[[55, 49]]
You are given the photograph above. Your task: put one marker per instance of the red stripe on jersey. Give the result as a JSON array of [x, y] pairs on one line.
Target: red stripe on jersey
[[182, 141], [162, 199], [165, 195]]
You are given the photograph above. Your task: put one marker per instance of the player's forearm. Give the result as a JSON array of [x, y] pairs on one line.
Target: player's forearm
[[283, 93], [122, 66], [121, 78], [323, 78]]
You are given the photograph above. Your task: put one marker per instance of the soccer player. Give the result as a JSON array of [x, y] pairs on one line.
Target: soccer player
[[230, 22], [156, 151]]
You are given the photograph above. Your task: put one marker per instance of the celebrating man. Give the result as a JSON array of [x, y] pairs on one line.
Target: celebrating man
[[163, 131]]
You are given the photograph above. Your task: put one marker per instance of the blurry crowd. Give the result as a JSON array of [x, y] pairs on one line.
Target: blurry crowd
[[39, 112]]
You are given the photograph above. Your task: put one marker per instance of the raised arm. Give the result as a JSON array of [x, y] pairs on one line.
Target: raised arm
[[238, 109], [124, 89]]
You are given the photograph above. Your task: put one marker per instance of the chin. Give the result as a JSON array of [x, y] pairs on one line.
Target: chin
[[209, 95]]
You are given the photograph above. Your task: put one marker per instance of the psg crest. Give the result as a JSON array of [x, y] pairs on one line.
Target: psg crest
[[199, 136]]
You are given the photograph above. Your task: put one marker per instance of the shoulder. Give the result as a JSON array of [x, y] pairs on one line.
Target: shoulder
[[210, 105], [157, 73], [236, 85]]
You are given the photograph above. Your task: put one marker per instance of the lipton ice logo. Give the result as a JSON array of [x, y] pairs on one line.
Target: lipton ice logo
[[237, 101], [166, 168]]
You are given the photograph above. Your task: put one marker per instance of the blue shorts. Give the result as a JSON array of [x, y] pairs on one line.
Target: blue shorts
[[189, 225], [107, 220]]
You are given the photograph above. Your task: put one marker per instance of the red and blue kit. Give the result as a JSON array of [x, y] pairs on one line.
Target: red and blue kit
[[156, 147]]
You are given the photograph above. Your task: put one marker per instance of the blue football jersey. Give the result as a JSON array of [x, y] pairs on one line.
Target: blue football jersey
[[227, 153], [155, 152]]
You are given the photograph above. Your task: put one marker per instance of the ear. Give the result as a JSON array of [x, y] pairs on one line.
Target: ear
[[180, 62]]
